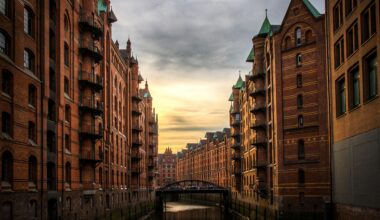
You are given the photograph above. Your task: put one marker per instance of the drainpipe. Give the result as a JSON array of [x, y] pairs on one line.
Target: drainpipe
[[42, 60], [330, 118]]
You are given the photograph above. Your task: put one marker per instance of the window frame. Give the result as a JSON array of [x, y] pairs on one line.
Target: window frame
[[352, 42], [366, 77], [341, 103], [301, 149], [298, 36], [339, 53], [28, 21], [371, 27], [6, 123], [28, 60], [32, 134], [339, 16], [352, 90], [298, 60], [32, 95], [349, 10]]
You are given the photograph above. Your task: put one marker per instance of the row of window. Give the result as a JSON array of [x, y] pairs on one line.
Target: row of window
[[369, 83], [298, 38], [368, 25], [7, 169]]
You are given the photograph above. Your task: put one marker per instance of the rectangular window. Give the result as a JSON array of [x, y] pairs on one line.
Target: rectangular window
[[368, 19], [354, 90], [350, 6], [352, 39], [338, 15], [370, 76], [32, 96], [340, 97], [339, 52]]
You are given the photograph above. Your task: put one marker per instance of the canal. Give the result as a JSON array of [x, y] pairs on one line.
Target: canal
[[183, 210]]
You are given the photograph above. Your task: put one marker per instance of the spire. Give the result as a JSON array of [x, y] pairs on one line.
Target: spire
[[146, 84], [266, 26], [129, 48], [240, 83]]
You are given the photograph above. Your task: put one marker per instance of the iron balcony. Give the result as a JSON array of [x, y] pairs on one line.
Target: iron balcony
[[258, 108], [90, 105], [135, 170], [136, 155], [257, 91], [256, 76], [137, 129], [235, 156], [236, 145], [91, 157], [88, 47], [136, 109], [259, 142], [136, 98], [91, 79], [90, 131], [259, 125], [89, 23]]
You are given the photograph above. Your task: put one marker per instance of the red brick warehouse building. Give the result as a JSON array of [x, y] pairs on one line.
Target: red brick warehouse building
[[167, 166], [68, 104]]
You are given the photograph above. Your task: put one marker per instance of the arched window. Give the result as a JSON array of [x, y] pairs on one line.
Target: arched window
[[287, 42], [301, 149], [66, 85], [4, 43], [67, 113], [308, 36], [68, 173], [7, 82], [301, 177], [7, 169], [32, 131], [52, 85], [32, 171], [298, 36], [299, 81], [298, 60], [6, 124], [4, 7], [299, 101], [32, 95], [300, 120], [66, 23], [67, 54], [28, 21], [28, 60], [67, 142]]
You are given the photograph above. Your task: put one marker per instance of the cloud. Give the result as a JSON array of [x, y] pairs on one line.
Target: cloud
[[191, 52]]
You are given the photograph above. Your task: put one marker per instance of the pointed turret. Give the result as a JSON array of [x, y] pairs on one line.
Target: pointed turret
[[266, 26]]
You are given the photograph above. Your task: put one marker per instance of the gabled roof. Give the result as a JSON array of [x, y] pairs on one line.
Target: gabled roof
[[251, 56], [312, 9], [239, 84], [102, 6]]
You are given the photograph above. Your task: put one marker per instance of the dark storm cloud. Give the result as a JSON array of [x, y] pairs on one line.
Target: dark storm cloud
[[194, 34]]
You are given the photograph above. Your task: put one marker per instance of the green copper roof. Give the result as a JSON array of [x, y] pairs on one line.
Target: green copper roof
[[102, 7], [265, 27], [231, 97], [239, 84], [311, 8], [251, 56]]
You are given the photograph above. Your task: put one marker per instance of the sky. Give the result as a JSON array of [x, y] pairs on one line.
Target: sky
[[191, 53]]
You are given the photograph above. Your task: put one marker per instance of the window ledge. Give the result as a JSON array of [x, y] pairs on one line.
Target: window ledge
[[31, 142], [7, 136], [352, 54], [369, 39], [32, 106], [353, 108], [6, 95], [6, 186], [371, 99], [341, 115]]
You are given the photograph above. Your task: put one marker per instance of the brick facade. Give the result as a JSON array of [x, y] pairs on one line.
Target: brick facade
[[68, 116], [167, 168]]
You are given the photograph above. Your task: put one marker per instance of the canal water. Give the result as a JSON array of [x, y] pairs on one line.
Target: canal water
[[181, 210]]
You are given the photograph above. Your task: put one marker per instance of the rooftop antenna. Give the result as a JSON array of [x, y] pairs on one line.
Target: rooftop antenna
[[266, 12]]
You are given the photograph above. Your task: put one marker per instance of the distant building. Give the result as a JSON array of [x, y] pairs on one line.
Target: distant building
[[167, 165], [353, 47], [209, 160]]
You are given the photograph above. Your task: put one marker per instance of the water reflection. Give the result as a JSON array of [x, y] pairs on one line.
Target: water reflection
[[190, 211]]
